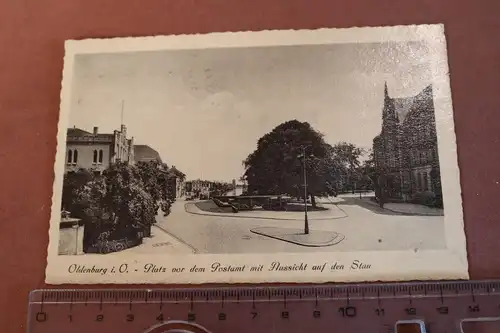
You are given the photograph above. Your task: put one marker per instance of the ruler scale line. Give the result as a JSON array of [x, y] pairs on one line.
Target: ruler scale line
[[440, 305]]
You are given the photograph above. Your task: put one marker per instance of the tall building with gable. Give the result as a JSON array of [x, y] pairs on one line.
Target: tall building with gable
[[96, 151], [406, 148]]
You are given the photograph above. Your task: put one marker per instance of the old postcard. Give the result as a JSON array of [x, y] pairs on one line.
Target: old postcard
[[275, 156]]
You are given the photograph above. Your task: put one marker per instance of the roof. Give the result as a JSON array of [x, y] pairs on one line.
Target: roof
[[177, 172], [146, 153], [403, 105], [77, 132]]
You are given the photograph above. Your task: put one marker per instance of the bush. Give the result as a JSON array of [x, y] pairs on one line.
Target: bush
[[438, 202], [426, 198], [119, 206], [115, 208]]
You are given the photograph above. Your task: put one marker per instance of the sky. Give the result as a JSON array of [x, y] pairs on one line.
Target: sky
[[204, 110]]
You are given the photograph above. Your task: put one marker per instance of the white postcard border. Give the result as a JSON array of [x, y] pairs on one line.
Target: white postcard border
[[450, 263]]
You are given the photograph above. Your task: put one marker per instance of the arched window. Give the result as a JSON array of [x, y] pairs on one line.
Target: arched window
[[70, 156], [94, 160], [101, 153], [75, 156]]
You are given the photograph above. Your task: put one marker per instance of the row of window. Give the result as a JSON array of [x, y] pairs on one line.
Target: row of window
[[72, 157], [422, 157]]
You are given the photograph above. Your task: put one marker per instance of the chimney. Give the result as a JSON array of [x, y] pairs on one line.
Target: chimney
[[123, 129], [96, 130]]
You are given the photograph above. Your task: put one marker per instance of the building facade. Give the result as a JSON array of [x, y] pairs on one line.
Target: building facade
[[180, 181], [96, 151], [198, 188], [406, 150]]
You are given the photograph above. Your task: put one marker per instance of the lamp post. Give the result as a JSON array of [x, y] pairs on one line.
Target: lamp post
[[306, 222]]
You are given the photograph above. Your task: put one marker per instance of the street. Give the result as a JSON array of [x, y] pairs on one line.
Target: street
[[366, 228]]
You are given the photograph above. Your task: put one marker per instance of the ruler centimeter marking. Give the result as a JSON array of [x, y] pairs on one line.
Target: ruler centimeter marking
[[443, 306], [410, 297]]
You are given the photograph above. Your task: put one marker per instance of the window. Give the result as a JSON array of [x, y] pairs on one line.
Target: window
[[98, 156], [72, 157], [419, 181], [426, 185], [424, 157]]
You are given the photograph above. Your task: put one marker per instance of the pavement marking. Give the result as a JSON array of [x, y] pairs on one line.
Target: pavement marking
[[195, 250]]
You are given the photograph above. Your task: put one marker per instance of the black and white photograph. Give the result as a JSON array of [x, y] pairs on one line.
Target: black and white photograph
[[238, 155]]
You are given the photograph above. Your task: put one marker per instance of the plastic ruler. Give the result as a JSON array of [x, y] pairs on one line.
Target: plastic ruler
[[433, 307]]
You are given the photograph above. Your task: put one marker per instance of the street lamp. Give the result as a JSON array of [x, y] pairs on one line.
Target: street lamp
[[304, 157]]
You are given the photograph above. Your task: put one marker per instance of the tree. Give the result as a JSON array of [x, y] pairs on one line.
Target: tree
[[72, 182], [156, 181], [124, 188], [348, 155], [275, 167], [115, 206], [378, 177], [220, 188], [365, 170]]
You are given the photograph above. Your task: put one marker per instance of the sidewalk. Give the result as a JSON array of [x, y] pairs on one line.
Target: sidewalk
[[409, 208], [160, 242], [333, 212]]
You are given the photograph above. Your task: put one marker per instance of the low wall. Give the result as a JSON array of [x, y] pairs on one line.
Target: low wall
[[71, 237]]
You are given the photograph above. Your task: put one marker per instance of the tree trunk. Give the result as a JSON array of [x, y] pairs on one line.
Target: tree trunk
[[147, 231], [313, 201], [382, 198]]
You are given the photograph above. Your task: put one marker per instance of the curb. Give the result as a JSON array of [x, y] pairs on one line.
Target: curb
[[398, 212], [336, 242], [195, 250], [266, 217]]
